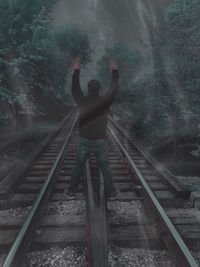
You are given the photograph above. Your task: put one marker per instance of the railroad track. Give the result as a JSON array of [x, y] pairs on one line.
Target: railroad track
[[161, 193], [17, 148], [100, 227]]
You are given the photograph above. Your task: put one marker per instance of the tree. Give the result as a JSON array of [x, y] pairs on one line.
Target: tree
[[70, 41], [173, 105], [183, 33], [17, 21], [127, 59], [34, 58]]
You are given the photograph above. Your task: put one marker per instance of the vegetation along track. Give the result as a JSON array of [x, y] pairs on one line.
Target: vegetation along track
[[125, 222]]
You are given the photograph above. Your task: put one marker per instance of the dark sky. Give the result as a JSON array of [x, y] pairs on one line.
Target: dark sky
[[110, 21]]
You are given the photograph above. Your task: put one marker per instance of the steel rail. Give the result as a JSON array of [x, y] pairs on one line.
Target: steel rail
[[92, 223], [173, 240], [21, 245], [168, 177], [10, 181], [97, 239], [103, 222]]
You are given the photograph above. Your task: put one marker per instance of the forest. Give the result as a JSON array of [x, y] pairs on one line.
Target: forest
[[100, 133], [35, 60]]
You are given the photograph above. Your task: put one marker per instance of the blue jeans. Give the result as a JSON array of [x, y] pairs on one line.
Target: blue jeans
[[99, 148]]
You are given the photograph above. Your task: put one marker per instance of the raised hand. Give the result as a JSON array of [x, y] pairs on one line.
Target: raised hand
[[113, 65], [77, 63]]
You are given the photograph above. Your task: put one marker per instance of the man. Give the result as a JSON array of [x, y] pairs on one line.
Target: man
[[93, 110]]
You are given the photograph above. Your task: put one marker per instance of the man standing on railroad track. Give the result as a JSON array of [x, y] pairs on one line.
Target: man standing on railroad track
[[93, 111]]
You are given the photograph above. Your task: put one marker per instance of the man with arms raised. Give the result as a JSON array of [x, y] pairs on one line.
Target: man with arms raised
[[93, 111]]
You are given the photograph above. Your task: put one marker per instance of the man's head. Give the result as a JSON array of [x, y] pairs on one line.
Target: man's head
[[93, 87]]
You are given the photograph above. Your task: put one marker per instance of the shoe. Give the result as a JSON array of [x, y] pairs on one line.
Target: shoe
[[114, 194], [69, 195]]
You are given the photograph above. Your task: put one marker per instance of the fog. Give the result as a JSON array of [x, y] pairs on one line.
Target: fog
[[108, 22], [113, 20]]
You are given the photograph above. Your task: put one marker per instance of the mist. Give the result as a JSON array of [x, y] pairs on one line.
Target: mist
[[110, 22]]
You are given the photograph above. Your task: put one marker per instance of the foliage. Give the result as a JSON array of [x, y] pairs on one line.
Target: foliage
[[73, 42], [31, 60], [127, 59], [183, 32], [167, 103], [182, 18]]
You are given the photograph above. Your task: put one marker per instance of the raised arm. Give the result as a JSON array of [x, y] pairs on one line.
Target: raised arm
[[76, 88], [112, 91]]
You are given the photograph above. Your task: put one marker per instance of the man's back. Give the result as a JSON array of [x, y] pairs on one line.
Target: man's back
[[93, 118]]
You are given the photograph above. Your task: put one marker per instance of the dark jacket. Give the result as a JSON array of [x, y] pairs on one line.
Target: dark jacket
[[93, 110]]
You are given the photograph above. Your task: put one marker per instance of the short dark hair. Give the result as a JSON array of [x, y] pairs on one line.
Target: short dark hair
[[93, 87]]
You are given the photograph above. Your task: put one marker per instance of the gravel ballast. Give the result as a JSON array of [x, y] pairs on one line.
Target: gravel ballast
[[21, 211], [128, 257], [126, 209], [121, 212], [117, 257], [55, 257], [58, 257], [73, 207]]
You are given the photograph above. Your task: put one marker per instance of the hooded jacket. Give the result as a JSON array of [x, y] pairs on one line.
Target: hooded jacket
[[93, 110]]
